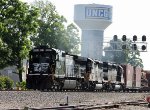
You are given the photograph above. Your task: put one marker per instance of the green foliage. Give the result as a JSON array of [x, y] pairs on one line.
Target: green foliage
[[2, 83], [22, 85], [132, 56], [52, 29], [18, 22], [4, 54], [112, 55], [134, 59], [74, 40], [6, 83]]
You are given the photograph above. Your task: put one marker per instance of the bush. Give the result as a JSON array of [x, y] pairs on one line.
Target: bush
[[22, 85], [2, 83], [6, 83]]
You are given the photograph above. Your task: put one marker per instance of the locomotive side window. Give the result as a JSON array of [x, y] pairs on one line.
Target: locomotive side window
[[39, 57]]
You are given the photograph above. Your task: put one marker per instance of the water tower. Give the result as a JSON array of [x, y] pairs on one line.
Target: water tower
[[93, 19]]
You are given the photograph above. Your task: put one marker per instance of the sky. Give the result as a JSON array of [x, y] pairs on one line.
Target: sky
[[129, 17]]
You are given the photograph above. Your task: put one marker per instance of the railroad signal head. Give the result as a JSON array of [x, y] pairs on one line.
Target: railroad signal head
[[143, 38], [134, 47], [134, 38], [124, 38], [143, 47], [115, 38]]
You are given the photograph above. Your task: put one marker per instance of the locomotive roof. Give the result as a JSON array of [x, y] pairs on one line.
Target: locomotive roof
[[47, 48]]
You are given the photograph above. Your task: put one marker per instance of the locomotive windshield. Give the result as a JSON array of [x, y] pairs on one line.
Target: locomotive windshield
[[38, 55], [42, 57]]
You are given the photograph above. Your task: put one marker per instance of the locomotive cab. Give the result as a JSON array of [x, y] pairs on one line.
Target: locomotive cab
[[42, 63]]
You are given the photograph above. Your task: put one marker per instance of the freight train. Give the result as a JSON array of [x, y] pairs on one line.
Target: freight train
[[53, 69]]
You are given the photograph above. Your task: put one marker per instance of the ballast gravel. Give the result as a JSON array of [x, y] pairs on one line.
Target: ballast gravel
[[22, 99]]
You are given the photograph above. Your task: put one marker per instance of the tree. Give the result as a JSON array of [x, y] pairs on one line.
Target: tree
[[4, 54], [132, 54], [52, 29], [134, 58], [18, 22], [112, 55], [74, 40], [123, 56]]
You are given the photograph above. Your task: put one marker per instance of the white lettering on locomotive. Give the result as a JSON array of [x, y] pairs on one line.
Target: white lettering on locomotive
[[40, 67]]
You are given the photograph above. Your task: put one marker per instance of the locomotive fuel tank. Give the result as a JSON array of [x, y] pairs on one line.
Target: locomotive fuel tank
[[118, 87], [99, 86], [70, 84]]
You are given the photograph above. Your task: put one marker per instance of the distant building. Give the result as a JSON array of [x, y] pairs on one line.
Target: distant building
[[11, 72]]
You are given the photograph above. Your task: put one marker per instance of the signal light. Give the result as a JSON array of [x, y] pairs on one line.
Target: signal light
[[134, 38], [143, 38], [143, 47], [115, 37], [124, 38], [134, 46]]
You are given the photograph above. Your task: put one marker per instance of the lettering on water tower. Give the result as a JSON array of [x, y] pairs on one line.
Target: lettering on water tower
[[97, 13]]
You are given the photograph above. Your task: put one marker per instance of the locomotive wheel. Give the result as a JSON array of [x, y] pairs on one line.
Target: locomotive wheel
[[84, 86]]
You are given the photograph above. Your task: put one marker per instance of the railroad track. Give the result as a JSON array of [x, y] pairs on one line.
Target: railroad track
[[79, 90], [92, 106]]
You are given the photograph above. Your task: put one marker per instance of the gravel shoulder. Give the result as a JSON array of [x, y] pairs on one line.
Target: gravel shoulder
[[21, 99]]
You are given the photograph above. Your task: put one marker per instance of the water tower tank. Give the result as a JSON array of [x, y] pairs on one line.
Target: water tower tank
[[93, 19]]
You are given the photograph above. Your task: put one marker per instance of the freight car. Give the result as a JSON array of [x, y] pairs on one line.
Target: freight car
[[53, 69]]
